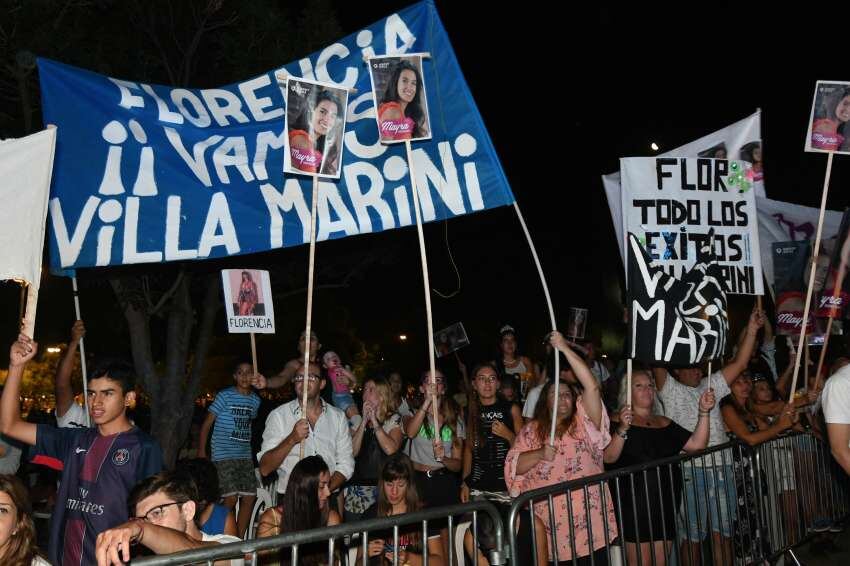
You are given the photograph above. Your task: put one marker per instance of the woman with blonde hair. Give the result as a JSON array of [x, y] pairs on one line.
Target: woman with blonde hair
[[377, 437], [17, 532], [642, 435]]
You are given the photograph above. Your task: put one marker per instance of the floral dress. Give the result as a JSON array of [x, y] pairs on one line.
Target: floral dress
[[579, 454]]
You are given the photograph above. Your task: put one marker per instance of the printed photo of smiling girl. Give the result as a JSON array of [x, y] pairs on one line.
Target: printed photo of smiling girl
[[315, 124], [828, 125], [401, 109]]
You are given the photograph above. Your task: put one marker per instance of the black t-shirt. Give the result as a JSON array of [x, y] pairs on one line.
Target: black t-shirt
[[409, 537], [648, 444], [369, 461], [489, 450]]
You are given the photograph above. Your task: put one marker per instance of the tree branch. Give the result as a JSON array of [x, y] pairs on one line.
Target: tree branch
[[210, 306], [154, 309], [178, 330], [138, 322]]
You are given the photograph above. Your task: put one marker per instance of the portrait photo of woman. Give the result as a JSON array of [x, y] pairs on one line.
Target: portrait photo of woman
[[315, 125], [828, 129], [400, 103]]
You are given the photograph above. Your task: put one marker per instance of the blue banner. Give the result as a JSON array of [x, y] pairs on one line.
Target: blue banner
[[147, 173]]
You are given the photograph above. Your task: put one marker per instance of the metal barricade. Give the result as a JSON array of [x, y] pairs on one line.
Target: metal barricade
[[335, 535], [801, 487], [732, 503], [729, 504]]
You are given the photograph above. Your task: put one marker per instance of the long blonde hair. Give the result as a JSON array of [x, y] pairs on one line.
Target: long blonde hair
[[385, 407], [622, 396]]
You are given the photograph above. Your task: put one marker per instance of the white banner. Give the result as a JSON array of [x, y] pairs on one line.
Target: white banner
[[671, 204], [25, 168], [785, 222], [741, 140]]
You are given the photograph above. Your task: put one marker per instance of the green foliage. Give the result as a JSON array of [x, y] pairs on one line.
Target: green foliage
[[40, 374]]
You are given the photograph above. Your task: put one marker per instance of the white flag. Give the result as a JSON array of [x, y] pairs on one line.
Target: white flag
[[26, 165], [785, 222], [741, 140]]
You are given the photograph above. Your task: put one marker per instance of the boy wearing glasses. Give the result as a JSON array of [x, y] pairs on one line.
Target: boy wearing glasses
[[164, 520], [99, 465], [323, 431]]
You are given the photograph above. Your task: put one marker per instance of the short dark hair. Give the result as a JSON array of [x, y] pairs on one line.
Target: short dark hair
[[115, 369], [206, 479], [176, 484], [242, 363]]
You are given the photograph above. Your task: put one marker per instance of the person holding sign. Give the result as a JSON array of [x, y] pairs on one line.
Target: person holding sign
[[68, 413], [643, 435], [100, 465], [679, 393], [323, 430], [288, 372], [580, 438], [436, 448]]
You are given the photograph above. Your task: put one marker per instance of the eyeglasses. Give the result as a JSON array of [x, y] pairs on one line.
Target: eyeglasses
[[487, 378], [300, 378], [157, 512]]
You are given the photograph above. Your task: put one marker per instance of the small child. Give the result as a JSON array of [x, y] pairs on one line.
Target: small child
[[342, 380]]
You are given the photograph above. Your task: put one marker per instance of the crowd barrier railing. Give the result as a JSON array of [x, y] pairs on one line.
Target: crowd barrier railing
[[729, 504], [732, 503], [357, 532]]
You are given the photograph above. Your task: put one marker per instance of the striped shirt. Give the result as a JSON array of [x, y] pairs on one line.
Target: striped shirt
[[231, 437]]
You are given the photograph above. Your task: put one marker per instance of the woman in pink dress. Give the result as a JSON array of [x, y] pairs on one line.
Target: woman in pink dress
[[580, 438]]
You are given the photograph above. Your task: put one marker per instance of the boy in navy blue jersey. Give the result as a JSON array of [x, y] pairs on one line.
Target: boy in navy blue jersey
[[99, 465], [230, 417]]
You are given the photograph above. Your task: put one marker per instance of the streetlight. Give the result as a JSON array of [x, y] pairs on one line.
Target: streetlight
[[402, 337]]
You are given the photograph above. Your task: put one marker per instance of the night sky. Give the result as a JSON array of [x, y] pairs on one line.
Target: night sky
[[563, 95]]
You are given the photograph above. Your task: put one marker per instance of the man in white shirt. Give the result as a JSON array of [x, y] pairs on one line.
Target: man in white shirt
[[836, 412], [164, 510], [323, 432], [68, 413], [709, 484]]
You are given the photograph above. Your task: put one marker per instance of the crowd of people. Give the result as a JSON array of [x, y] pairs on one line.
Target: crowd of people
[[363, 447]]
